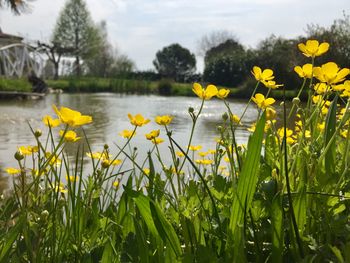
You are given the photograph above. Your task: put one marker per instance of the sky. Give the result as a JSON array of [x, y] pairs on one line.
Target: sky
[[139, 28]]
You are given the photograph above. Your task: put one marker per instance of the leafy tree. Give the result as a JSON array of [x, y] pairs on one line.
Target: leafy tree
[[100, 62], [175, 62], [75, 29], [338, 36], [225, 64]]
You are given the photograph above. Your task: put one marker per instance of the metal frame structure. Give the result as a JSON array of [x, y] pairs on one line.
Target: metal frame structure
[[19, 60]]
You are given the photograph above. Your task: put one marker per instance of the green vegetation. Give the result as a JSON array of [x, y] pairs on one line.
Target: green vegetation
[[15, 85], [284, 196]]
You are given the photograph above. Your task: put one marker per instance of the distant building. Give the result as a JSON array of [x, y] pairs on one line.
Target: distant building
[[7, 39]]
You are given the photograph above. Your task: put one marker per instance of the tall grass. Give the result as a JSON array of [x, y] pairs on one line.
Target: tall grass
[[282, 197]]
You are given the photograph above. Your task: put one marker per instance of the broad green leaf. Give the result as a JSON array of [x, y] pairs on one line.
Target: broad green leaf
[[246, 187], [330, 129]]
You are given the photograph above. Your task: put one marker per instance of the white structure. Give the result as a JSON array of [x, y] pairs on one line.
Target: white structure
[[18, 59]]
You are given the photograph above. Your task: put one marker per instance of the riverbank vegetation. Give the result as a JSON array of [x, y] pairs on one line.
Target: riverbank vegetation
[[283, 196]]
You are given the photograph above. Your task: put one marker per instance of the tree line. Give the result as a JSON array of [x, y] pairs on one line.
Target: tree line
[[227, 62]]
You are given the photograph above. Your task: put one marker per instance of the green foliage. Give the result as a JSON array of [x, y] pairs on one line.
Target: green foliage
[[75, 30], [175, 62]]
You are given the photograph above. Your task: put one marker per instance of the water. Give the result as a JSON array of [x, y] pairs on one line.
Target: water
[[109, 112]]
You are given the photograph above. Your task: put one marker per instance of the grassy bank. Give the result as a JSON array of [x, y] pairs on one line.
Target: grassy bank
[[127, 86]]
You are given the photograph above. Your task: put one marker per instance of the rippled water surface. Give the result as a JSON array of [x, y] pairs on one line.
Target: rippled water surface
[[109, 112]]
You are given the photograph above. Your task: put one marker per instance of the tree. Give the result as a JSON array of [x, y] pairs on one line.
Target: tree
[[75, 29], [225, 64], [100, 62], [212, 40], [338, 36], [175, 62], [54, 53], [17, 6]]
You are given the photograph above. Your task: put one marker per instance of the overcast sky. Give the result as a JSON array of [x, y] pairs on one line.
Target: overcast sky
[[139, 28]]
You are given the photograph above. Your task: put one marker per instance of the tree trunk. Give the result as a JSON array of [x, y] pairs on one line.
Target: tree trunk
[[77, 66], [56, 65]]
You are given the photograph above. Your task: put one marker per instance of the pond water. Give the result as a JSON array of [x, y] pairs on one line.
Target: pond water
[[109, 112]]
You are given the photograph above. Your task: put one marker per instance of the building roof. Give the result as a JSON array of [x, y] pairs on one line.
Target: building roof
[[8, 36]]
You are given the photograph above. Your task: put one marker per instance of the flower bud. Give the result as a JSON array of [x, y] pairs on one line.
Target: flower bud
[[105, 164], [296, 101], [190, 110], [106, 146], [19, 156], [38, 133], [225, 116], [44, 214]]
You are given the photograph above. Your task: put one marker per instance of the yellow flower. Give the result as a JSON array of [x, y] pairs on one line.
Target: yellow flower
[[12, 171], [211, 151], [72, 178], [330, 73], [262, 76], [127, 134], [252, 127], [152, 135], [54, 160], [344, 134], [195, 147], [60, 188], [70, 136], [270, 113], [163, 120], [157, 140], [204, 161], [205, 94], [223, 93], [49, 121], [115, 162], [138, 120], [203, 154], [289, 133], [262, 102], [236, 119], [320, 88], [179, 154], [116, 184], [271, 84], [146, 171], [312, 48], [305, 71], [28, 150], [321, 126], [72, 117], [317, 99]]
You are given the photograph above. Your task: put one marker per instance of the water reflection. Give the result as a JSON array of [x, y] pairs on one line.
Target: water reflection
[[109, 112]]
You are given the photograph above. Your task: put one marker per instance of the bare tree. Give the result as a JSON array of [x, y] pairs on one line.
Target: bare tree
[[17, 6], [213, 39]]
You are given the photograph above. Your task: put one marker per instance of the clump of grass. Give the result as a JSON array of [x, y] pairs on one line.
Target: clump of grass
[[283, 196]]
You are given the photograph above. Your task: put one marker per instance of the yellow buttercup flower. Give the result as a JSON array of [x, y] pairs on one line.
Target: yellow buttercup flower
[[54, 160], [262, 76], [115, 162], [317, 99], [344, 134], [152, 135], [205, 94], [157, 140], [312, 48], [116, 184], [305, 71], [270, 84], [321, 126], [289, 135], [330, 73], [211, 151], [70, 136], [146, 171], [127, 134], [138, 120], [164, 120], [49, 121], [204, 161], [12, 171], [236, 119], [28, 150], [60, 188], [179, 154], [320, 88], [223, 93], [270, 113], [195, 147], [203, 154], [72, 178], [71, 117], [262, 102]]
